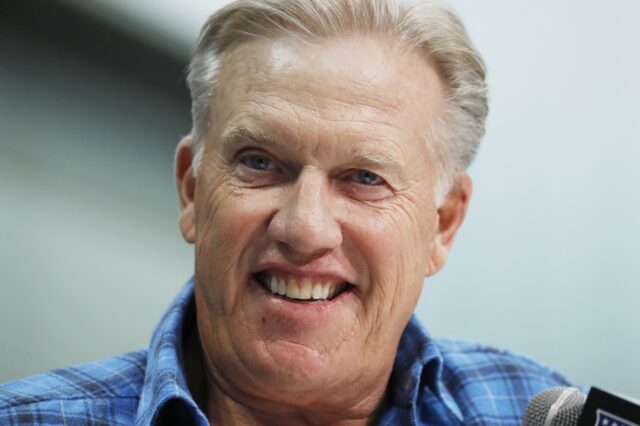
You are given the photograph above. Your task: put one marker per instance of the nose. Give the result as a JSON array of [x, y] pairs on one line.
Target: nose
[[305, 223]]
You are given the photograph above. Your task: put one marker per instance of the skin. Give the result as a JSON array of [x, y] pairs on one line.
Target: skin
[[281, 186]]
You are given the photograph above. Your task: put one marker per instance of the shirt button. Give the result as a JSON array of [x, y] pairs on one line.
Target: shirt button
[[408, 385]]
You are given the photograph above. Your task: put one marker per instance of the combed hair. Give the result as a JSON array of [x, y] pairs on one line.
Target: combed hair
[[424, 26]]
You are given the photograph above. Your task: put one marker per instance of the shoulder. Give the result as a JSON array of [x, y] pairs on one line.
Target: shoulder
[[104, 392], [492, 385]]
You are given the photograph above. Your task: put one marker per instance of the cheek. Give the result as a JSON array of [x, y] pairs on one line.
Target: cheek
[[230, 228], [394, 239], [394, 242]]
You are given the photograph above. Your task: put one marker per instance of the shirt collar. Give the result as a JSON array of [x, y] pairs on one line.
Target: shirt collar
[[418, 368], [418, 362], [165, 384]]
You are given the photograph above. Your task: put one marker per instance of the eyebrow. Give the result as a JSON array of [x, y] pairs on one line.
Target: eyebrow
[[238, 135], [376, 157], [363, 155]]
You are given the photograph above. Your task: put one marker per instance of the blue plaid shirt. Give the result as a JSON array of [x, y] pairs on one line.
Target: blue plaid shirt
[[434, 382]]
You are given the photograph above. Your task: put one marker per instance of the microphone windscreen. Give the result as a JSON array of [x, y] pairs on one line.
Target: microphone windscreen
[[559, 406]]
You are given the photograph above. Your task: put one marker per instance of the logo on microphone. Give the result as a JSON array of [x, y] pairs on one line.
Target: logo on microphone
[[605, 418]]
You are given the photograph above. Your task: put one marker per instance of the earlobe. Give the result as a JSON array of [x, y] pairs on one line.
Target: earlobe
[[450, 217], [437, 258], [185, 185], [187, 224]]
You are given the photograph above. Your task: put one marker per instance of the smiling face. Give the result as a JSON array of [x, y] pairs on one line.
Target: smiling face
[[314, 220]]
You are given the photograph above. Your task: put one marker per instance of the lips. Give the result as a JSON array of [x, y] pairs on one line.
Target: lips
[[301, 288]]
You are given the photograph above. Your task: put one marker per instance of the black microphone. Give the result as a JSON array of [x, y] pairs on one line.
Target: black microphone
[[564, 406]]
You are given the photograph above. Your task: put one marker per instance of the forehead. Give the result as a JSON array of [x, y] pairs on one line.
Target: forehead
[[355, 87]]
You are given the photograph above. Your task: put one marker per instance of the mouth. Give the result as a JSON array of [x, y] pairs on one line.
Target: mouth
[[301, 289]]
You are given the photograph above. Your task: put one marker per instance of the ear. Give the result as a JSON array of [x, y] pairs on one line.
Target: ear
[[185, 184], [450, 217]]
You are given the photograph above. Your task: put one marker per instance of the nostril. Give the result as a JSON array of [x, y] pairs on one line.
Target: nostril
[[301, 254], [306, 237]]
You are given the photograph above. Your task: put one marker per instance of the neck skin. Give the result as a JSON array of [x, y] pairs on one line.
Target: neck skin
[[226, 407]]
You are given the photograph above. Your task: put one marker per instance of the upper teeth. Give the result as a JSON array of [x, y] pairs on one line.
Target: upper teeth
[[303, 289]]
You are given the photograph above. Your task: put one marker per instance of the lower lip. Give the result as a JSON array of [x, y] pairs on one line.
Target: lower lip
[[301, 311]]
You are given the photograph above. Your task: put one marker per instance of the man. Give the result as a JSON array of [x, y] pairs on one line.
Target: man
[[323, 180]]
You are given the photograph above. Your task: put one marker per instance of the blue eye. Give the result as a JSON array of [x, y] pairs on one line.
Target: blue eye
[[257, 162], [365, 177]]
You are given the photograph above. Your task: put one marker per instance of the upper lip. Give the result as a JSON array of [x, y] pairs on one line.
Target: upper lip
[[318, 273]]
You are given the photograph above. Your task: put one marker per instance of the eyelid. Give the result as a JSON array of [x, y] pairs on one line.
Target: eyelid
[[276, 172], [365, 193], [352, 175], [245, 153], [245, 158]]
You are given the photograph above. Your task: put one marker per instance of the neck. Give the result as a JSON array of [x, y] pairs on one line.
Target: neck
[[225, 409], [223, 405]]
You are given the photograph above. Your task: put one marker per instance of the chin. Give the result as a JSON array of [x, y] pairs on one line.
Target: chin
[[292, 367]]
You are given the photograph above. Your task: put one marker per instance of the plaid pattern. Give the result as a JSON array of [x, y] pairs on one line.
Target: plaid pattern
[[434, 382]]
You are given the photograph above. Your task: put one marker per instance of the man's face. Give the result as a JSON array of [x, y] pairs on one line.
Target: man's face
[[314, 216]]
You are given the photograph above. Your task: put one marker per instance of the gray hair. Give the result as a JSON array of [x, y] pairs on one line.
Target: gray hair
[[425, 26]]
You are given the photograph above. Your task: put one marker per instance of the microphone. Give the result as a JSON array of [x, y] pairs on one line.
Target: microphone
[[565, 406], [559, 406]]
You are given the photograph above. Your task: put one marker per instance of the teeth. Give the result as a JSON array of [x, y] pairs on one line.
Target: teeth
[[332, 292], [304, 290], [293, 292], [325, 291], [317, 291]]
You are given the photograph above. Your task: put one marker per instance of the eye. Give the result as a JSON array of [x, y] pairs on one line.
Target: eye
[[258, 169], [258, 162], [364, 185], [365, 177]]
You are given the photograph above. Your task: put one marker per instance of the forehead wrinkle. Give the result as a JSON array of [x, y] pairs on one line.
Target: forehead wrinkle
[[263, 84], [354, 98], [308, 112], [313, 102]]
